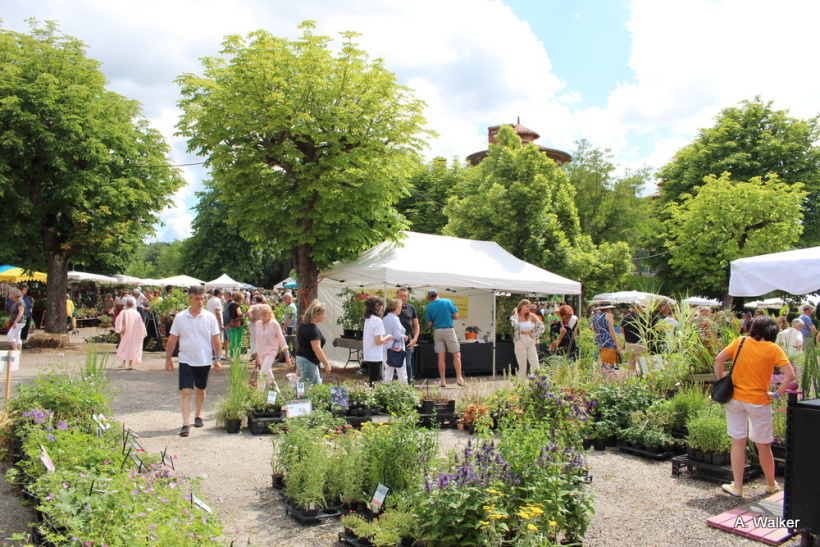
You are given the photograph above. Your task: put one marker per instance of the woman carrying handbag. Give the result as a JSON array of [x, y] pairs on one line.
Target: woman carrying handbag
[[750, 404]]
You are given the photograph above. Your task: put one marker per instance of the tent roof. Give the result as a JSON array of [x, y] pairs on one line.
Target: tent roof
[[790, 271], [224, 281], [630, 297], [85, 276], [16, 275], [448, 262], [181, 281]]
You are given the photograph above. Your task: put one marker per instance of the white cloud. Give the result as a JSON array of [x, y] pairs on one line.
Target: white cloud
[[474, 63]]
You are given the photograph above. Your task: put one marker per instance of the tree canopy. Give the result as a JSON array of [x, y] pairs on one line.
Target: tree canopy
[[308, 146], [520, 199], [725, 220], [215, 248], [432, 185], [752, 140], [82, 175], [609, 206]]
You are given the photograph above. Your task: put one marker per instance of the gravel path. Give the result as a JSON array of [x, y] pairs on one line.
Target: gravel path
[[637, 503]]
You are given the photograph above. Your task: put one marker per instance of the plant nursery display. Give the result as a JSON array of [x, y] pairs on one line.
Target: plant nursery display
[[91, 485]]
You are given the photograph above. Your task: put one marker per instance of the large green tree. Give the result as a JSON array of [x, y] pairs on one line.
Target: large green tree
[[431, 186], [215, 247], [752, 140], [308, 146], [520, 199], [609, 205], [82, 175], [726, 219]]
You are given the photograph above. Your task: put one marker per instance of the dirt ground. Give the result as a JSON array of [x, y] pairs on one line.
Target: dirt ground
[[636, 502]]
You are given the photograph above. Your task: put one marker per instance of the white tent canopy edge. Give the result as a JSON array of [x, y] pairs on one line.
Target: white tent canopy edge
[[424, 261], [790, 271]]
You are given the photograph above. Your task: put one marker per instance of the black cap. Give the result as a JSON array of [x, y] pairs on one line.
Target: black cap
[[432, 294]]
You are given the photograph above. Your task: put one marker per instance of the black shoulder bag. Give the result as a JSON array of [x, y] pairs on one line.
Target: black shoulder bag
[[722, 389]]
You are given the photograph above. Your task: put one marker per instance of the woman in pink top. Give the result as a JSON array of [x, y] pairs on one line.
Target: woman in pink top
[[130, 327], [269, 339]]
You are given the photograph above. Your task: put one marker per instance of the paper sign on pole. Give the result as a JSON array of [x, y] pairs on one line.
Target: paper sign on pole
[[12, 357], [378, 497]]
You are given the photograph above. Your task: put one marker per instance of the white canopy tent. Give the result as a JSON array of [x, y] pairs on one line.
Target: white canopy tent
[[224, 281], [701, 301], [181, 281], [790, 271], [85, 276], [128, 280], [449, 262], [630, 297], [479, 269]]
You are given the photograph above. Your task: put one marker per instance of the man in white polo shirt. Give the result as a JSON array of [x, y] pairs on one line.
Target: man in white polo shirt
[[197, 331]]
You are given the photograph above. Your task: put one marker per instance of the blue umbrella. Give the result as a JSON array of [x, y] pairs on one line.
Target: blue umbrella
[[290, 285]]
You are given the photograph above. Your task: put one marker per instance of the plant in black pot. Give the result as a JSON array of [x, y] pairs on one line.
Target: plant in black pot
[[233, 406], [708, 440]]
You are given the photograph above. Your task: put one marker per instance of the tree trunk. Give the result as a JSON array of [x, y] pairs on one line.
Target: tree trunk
[[55, 320], [728, 301], [307, 278]]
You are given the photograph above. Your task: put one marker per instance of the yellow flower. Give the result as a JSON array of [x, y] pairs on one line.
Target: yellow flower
[[536, 511], [553, 523], [491, 491], [532, 527], [489, 507], [523, 515], [484, 522]]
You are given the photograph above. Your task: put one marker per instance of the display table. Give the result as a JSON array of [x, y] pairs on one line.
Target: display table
[[476, 359], [354, 347]]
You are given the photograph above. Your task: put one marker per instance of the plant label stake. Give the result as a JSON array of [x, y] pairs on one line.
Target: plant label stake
[[166, 459], [46, 459], [300, 390], [9, 361], [199, 503], [272, 397], [378, 497]]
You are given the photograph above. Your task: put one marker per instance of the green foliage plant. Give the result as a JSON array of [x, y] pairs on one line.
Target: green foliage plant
[[687, 402], [707, 430], [396, 398], [234, 404]]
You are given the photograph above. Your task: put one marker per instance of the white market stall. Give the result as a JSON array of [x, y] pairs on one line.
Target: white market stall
[[181, 281], [99, 279], [224, 281], [469, 270]]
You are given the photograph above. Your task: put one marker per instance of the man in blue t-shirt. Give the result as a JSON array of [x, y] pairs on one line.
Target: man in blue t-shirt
[[809, 330], [439, 314]]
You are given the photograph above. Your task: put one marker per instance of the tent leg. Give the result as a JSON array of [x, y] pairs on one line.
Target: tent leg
[[492, 334]]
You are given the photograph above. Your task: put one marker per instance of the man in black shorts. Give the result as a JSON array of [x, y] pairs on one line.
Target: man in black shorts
[[197, 331]]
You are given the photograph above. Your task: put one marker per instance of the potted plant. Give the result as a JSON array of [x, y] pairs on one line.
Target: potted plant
[[471, 332], [232, 407], [503, 326], [707, 438]]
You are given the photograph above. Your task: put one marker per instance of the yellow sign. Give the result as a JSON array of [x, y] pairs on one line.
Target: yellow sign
[[462, 302]]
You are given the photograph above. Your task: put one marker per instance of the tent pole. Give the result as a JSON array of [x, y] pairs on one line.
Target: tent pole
[[492, 334]]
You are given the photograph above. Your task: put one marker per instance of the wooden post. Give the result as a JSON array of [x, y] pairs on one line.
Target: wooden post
[[11, 361]]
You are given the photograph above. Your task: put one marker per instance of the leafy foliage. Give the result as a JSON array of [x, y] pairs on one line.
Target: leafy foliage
[[749, 141], [215, 247], [86, 174], [609, 206], [728, 219], [307, 145]]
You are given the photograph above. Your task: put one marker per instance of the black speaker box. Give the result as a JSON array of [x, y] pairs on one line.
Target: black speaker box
[[802, 488]]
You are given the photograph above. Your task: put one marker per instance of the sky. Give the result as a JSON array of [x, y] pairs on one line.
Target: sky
[[639, 77]]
